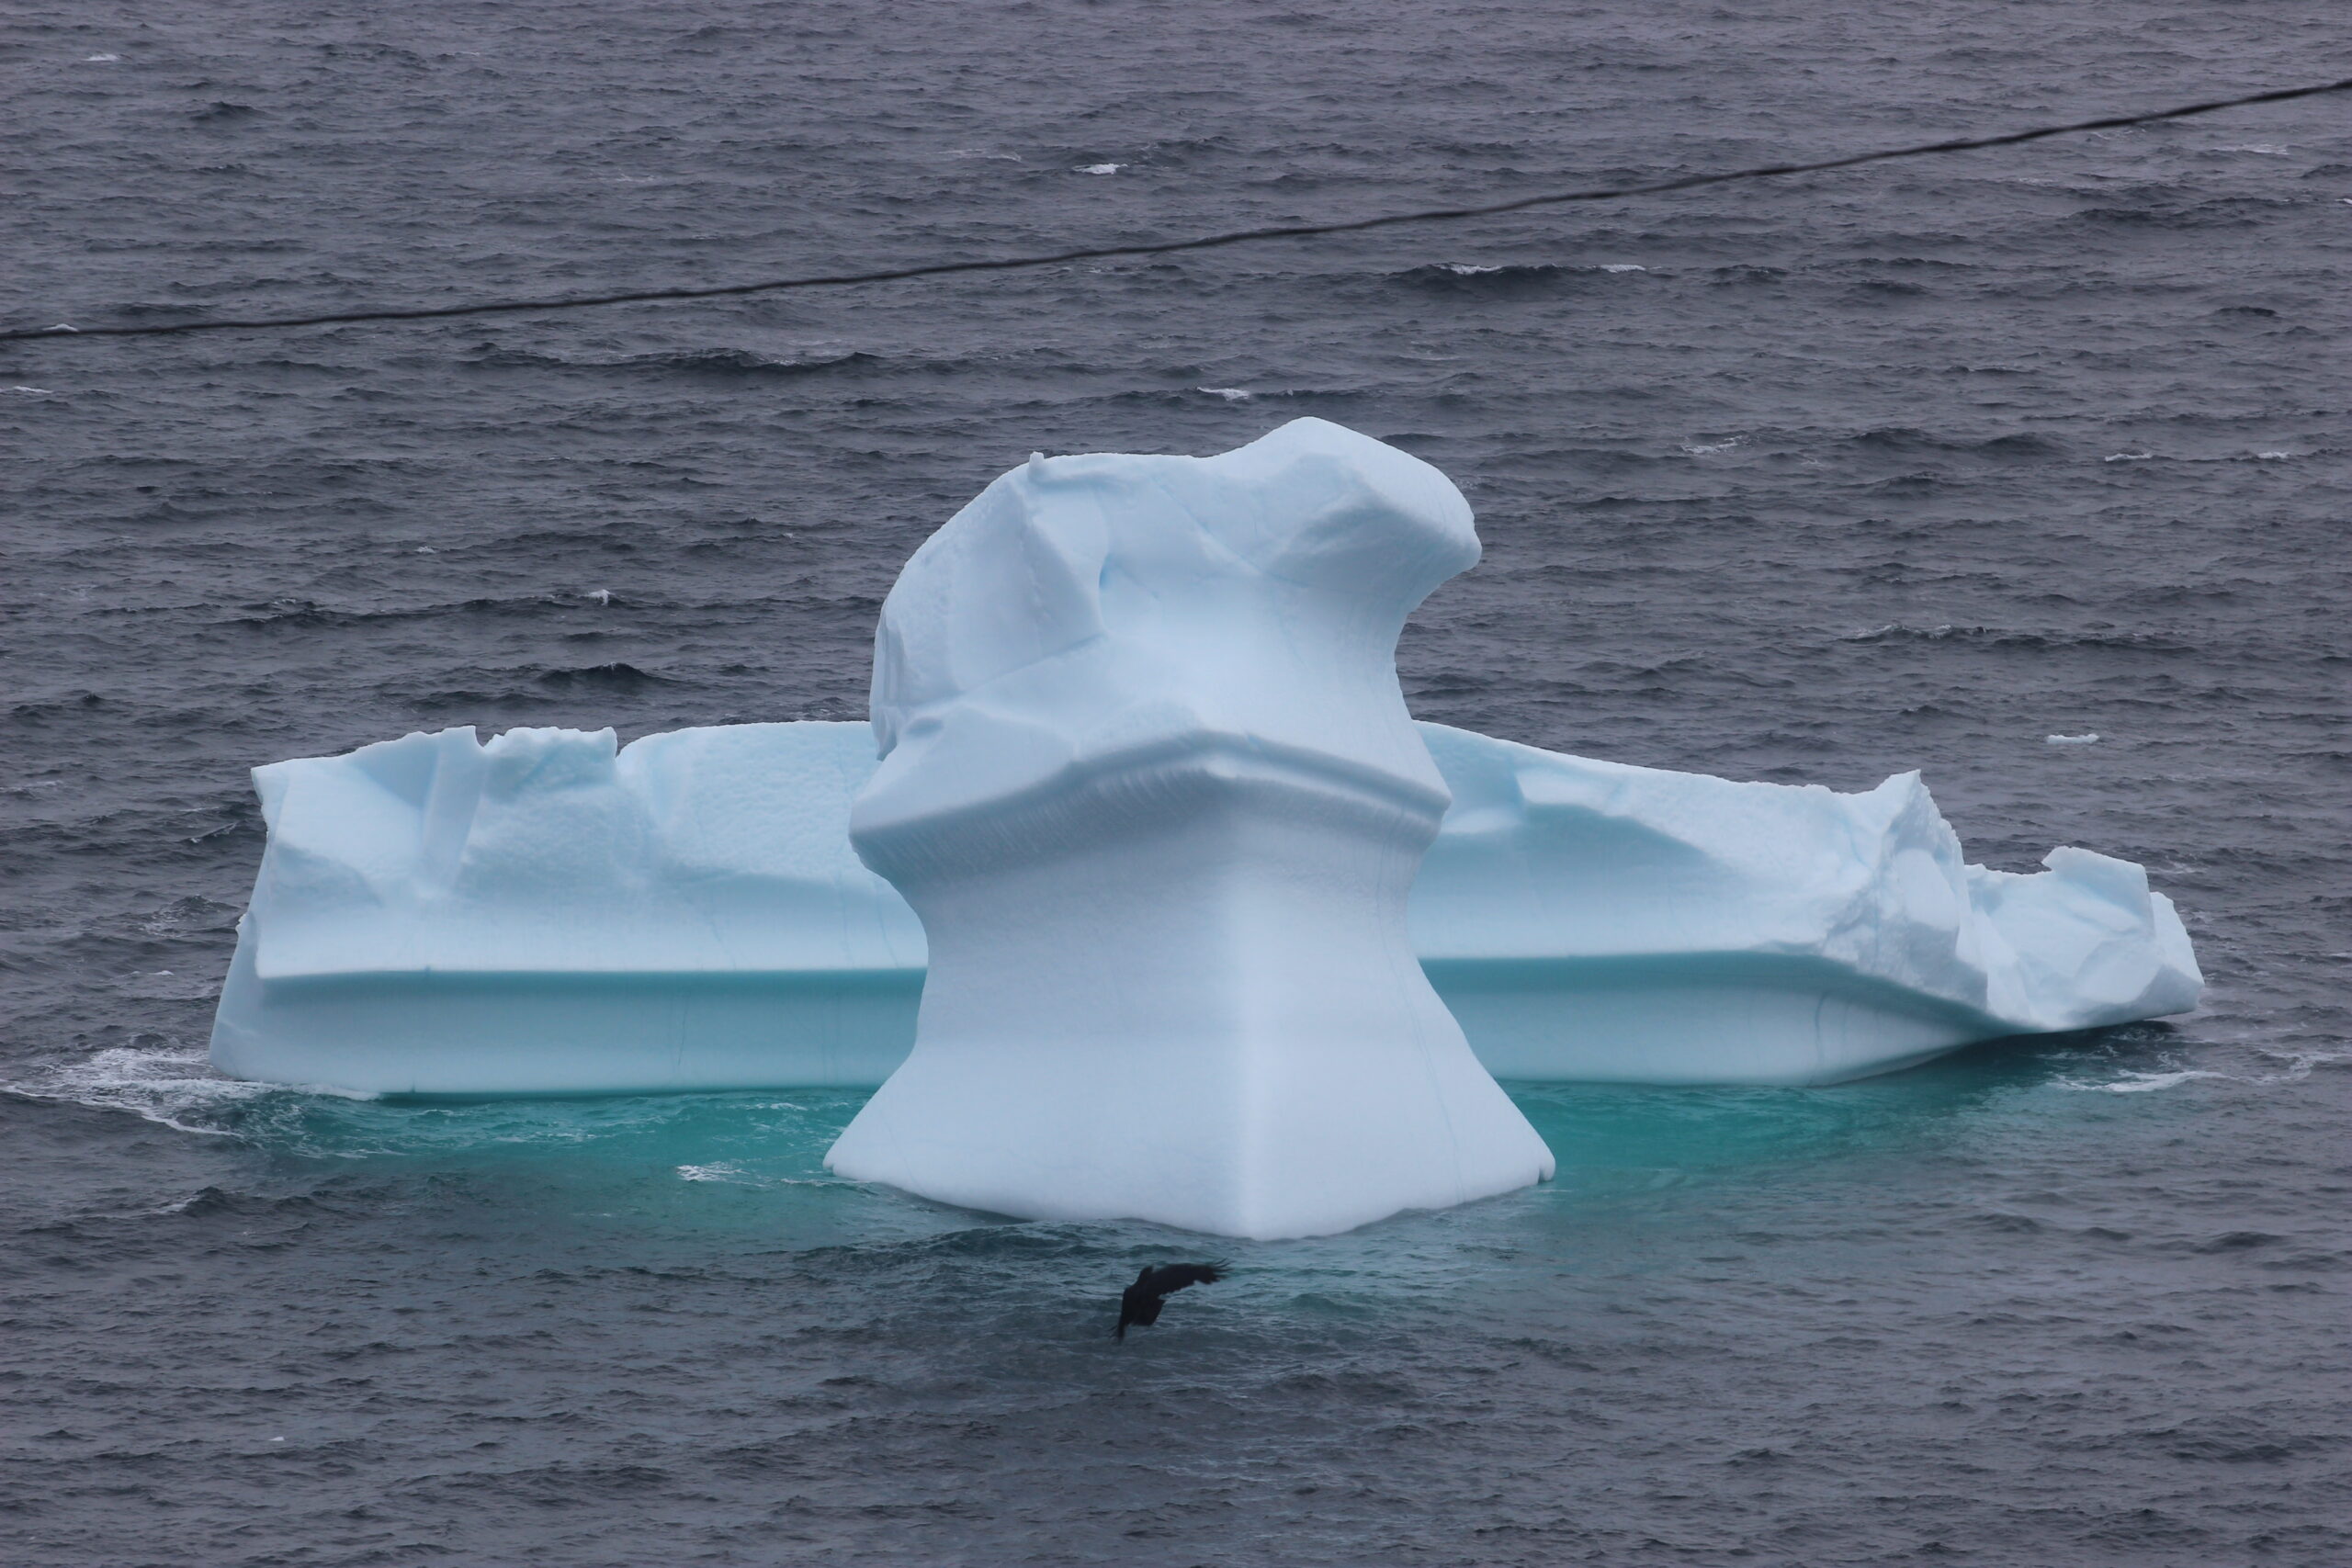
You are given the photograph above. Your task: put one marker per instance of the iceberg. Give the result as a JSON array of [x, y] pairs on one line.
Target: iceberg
[[1593, 920], [1147, 778], [551, 914], [1148, 781], [1581, 919]]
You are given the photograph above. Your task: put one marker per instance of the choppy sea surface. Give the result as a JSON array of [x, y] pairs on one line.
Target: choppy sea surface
[[1818, 479]]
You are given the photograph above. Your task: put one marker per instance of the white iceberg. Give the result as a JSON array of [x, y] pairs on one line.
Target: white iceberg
[[1148, 779], [1591, 920], [702, 922], [546, 914]]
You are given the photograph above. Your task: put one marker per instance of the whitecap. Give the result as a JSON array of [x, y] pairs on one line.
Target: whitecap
[[602, 595], [32, 391], [1230, 394], [1701, 449], [2272, 457], [166, 1085], [2257, 147], [1098, 168], [2294, 1067], [100, 59], [163, 986], [2127, 456], [2070, 740], [1467, 269], [732, 1174], [2139, 1082], [1621, 266]]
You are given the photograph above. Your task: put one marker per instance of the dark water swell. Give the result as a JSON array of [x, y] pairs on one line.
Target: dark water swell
[[1819, 481]]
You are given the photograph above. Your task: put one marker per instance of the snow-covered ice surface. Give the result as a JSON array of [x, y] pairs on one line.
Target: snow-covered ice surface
[[1149, 780]]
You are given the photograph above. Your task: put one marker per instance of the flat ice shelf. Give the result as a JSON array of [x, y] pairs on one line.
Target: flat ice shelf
[[694, 918]]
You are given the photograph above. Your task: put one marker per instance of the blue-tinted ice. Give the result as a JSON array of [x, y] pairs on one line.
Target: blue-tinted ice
[[1146, 776], [1582, 920]]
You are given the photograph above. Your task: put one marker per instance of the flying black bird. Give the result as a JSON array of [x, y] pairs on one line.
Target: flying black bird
[[1140, 1303]]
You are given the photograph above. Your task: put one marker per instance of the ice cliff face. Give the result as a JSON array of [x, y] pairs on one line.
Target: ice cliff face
[[1150, 782]]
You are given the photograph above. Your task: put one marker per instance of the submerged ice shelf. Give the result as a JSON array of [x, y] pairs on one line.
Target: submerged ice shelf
[[549, 914]]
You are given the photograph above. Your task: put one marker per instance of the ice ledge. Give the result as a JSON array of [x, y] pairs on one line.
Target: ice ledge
[[1092, 799], [1590, 920]]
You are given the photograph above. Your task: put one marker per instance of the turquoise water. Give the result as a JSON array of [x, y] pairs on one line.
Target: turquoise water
[[2011, 1299], [730, 1170]]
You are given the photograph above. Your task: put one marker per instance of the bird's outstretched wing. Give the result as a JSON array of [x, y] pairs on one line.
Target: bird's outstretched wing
[[1139, 1303], [1176, 1275]]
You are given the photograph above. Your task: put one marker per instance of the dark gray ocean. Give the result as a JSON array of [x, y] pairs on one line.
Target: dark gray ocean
[[1914, 466]]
